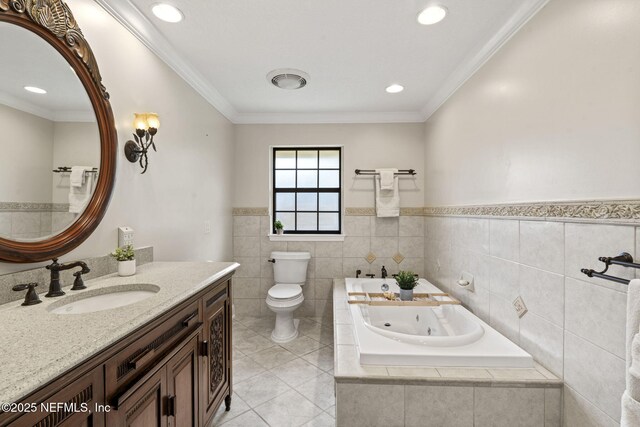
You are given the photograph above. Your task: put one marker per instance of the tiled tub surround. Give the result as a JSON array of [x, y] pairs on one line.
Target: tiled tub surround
[[100, 266], [575, 326], [384, 238], [21, 220], [65, 342], [369, 395]]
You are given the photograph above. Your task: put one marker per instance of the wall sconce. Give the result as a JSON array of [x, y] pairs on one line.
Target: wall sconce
[[146, 125]]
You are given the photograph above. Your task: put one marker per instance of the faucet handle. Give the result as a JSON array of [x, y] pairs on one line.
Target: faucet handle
[[53, 264], [31, 298], [370, 275], [78, 283]]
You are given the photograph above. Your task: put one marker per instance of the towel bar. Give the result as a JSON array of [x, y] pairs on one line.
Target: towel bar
[[373, 172], [624, 259]]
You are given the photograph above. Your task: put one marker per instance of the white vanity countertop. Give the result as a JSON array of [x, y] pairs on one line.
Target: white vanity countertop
[[36, 346]]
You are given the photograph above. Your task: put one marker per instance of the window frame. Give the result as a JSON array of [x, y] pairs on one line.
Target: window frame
[[296, 189]]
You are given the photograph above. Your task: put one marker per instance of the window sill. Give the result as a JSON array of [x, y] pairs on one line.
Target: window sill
[[306, 237]]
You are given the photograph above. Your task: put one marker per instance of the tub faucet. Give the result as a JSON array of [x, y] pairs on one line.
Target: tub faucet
[[55, 287], [383, 272], [358, 273]]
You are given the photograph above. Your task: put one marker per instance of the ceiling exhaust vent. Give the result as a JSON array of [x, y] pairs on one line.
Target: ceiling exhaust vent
[[288, 78]]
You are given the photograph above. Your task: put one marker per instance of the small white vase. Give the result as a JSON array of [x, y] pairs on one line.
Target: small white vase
[[127, 268]]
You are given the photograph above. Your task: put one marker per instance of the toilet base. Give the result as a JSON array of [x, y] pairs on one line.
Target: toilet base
[[286, 328]]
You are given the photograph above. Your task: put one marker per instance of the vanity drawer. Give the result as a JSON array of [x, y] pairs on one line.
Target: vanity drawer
[[148, 346]]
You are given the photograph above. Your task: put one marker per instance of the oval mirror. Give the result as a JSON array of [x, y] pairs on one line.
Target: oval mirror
[[58, 139]]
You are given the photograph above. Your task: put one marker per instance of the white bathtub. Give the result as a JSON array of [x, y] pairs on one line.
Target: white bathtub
[[448, 335]]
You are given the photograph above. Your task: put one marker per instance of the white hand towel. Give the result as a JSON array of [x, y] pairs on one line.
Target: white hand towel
[[79, 196], [387, 178], [633, 374], [630, 411], [78, 175], [631, 397], [387, 201]]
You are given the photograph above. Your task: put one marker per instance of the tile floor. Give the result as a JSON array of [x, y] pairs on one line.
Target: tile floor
[[281, 385]]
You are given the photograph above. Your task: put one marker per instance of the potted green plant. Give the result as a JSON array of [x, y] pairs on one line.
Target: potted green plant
[[278, 226], [406, 281], [126, 260]]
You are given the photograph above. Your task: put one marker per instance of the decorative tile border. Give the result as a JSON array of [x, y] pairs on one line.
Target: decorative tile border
[[614, 210], [33, 207], [250, 211], [590, 210]]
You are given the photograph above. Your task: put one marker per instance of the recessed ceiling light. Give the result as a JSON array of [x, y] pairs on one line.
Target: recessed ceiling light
[[432, 15], [288, 78], [394, 88], [34, 89], [167, 13]]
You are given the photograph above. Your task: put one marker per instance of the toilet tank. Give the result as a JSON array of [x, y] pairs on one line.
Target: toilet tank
[[290, 267]]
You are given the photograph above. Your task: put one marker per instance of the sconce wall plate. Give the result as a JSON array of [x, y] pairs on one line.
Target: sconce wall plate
[[132, 151]]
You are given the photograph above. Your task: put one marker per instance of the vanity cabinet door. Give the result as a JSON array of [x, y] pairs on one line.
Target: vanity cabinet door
[[182, 386], [216, 351], [144, 406]]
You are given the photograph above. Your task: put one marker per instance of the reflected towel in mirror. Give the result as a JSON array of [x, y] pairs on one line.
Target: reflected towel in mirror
[[79, 196]]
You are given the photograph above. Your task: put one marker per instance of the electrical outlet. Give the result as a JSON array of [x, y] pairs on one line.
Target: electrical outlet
[[521, 309], [125, 236], [207, 227]]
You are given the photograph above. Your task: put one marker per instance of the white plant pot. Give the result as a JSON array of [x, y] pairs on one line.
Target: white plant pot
[[127, 268], [279, 231], [406, 294]]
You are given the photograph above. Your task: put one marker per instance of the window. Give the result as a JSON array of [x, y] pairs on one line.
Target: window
[[307, 189]]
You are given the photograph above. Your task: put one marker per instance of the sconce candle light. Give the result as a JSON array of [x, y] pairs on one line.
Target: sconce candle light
[[146, 125]]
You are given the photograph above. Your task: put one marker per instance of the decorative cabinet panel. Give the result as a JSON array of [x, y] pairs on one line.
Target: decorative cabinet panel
[[174, 371], [216, 349]]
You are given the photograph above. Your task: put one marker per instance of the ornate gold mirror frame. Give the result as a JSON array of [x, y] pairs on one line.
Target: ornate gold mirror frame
[[53, 21]]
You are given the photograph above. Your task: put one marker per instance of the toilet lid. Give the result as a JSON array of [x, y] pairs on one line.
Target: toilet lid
[[284, 291]]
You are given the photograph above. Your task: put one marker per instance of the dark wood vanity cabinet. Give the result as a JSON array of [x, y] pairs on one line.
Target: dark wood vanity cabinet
[[175, 371]]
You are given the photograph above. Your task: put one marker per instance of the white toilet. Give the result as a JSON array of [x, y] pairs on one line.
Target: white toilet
[[289, 274]]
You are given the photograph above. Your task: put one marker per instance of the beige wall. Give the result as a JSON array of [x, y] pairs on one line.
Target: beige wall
[[25, 163], [552, 116], [189, 178], [366, 146]]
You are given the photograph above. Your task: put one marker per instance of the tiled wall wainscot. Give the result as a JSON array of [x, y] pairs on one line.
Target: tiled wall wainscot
[[369, 243], [575, 325], [33, 220]]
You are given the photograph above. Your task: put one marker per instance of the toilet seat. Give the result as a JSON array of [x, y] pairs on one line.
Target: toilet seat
[[284, 292]]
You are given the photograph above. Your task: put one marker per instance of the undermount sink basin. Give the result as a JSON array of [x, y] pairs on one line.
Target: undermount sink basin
[[103, 299]]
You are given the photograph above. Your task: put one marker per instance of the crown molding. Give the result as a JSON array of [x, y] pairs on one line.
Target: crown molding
[[52, 115], [319, 118], [128, 15], [473, 62]]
